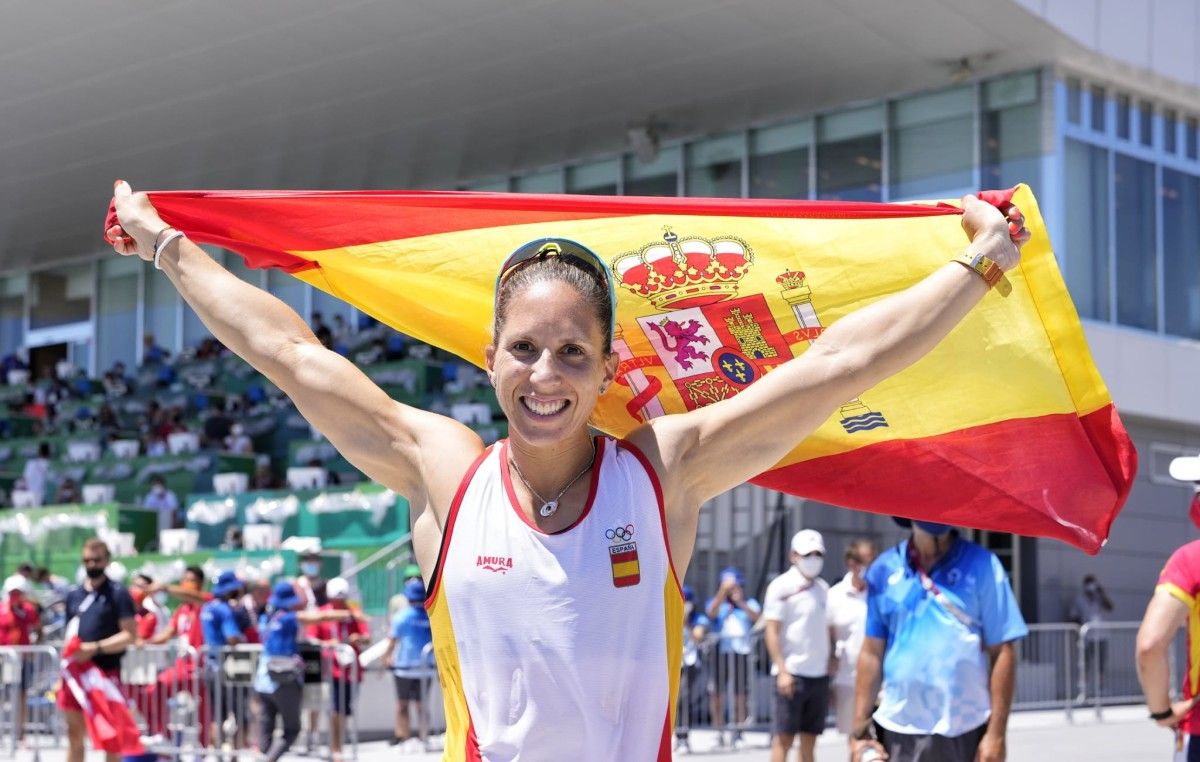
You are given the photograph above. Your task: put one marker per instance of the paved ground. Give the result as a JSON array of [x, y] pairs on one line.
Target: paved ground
[[1124, 735]]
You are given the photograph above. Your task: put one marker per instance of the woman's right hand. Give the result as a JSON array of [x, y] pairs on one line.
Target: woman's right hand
[[137, 223]]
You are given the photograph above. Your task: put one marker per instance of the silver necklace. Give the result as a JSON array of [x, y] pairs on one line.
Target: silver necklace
[[550, 507]]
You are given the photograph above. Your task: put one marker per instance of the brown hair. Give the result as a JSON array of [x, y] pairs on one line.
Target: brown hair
[[95, 543], [588, 283], [856, 545]]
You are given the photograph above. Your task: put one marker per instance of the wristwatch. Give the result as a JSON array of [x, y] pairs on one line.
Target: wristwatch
[[1164, 714], [987, 269]]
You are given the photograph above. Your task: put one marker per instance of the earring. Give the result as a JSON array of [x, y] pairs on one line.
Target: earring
[[603, 388]]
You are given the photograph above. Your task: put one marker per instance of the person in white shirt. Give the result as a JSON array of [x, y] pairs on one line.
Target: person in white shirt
[[35, 472], [846, 609], [798, 641]]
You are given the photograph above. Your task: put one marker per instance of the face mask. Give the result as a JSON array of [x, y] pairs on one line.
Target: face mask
[[94, 572], [310, 569], [933, 528], [810, 566], [158, 489]]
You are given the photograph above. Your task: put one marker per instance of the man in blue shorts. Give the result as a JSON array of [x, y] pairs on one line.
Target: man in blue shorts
[[941, 621]]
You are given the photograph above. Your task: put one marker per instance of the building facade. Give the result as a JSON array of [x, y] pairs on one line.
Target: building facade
[[1101, 116]]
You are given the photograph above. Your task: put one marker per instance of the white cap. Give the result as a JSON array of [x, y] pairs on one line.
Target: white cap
[[806, 541], [1185, 469], [16, 582], [337, 589]]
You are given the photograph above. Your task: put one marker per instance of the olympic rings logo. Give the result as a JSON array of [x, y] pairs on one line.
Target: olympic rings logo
[[624, 534]]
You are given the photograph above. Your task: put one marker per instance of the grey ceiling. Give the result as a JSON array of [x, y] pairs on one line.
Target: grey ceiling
[[419, 93]]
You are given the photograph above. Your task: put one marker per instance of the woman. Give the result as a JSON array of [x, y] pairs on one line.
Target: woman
[[279, 679], [555, 603]]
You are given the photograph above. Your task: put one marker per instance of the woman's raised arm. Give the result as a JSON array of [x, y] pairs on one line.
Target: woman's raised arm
[[419, 454]]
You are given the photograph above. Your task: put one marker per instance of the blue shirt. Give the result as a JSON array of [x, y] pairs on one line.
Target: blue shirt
[[410, 630], [279, 630], [733, 625], [935, 668], [100, 613], [219, 624]]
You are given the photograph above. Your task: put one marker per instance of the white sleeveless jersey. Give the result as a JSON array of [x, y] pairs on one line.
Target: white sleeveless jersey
[[560, 646]]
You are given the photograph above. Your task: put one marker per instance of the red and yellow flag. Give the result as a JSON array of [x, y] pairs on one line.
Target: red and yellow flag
[[1005, 426]]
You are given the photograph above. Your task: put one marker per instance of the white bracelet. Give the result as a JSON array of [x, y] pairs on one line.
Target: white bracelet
[[159, 248]]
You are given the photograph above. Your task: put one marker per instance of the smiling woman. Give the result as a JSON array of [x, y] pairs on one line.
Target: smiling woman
[[566, 644]]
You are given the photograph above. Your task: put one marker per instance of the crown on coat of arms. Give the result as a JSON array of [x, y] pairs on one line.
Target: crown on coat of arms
[[684, 272], [790, 279]]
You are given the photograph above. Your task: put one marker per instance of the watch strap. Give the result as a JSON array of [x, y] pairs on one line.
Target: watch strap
[[987, 269], [1164, 714]]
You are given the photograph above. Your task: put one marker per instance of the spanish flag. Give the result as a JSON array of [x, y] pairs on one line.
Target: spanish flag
[[1005, 426]]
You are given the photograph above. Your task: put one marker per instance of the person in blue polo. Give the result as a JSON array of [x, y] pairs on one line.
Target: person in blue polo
[[411, 658], [278, 681], [219, 623], [941, 622]]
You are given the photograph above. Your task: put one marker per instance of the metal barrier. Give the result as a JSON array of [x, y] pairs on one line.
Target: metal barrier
[[1107, 665], [28, 715], [162, 684], [1046, 673]]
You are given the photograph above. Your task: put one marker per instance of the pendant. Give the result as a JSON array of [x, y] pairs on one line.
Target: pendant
[[548, 509]]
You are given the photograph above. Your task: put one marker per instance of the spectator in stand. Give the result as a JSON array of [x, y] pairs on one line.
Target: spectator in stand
[[115, 382], [100, 613], [340, 665], [278, 681], [217, 428], [322, 331], [152, 353], [164, 502], [341, 334], [238, 442], [409, 652], [264, 477], [35, 473], [20, 625], [106, 420], [68, 493], [396, 346]]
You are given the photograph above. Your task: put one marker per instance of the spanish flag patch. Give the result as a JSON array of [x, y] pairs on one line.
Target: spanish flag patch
[[625, 568]]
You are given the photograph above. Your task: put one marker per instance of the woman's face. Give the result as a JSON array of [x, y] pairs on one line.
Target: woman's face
[[548, 363]]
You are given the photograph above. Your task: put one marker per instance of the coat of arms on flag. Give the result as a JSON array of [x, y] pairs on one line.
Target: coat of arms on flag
[[712, 342], [623, 555]]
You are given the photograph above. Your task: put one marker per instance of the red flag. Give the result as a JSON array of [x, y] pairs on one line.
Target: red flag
[[105, 713]]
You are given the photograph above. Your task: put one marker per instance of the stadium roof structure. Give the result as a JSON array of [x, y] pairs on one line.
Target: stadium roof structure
[[424, 93]]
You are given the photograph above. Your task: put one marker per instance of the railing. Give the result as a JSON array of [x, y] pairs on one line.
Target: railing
[[377, 575], [192, 704]]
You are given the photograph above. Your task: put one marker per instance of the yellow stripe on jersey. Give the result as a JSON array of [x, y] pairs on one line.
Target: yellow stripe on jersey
[[673, 615], [454, 699]]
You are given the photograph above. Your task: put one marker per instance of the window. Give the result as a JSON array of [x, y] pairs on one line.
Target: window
[[658, 177], [1146, 123], [849, 155], [1123, 114], [1170, 127], [1097, 109], [1137, 271], [779, 161], [1190, 136], [12, 313], [931, 151], [714, 167], [1086, 252], [162, 310], [1011, 132], [1181, 252], [116, 312], [60, 296], [549, 181], [1074, 100], [599, 178]]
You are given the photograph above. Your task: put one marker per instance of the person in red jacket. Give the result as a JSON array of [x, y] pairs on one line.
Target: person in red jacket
[[20, 625], [342, 676]]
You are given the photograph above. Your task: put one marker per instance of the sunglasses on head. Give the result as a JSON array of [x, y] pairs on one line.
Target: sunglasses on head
[[569, 251]]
